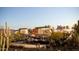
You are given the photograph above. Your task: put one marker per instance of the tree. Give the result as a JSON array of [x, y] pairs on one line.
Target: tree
[[59, 27], [18, 36], [67, 27], [56, 35], [76, 32], [55, 38]]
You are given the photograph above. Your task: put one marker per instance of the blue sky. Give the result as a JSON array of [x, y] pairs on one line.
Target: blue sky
[[30, 17]]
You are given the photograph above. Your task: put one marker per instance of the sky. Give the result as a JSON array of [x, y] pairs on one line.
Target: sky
[[30, 17]]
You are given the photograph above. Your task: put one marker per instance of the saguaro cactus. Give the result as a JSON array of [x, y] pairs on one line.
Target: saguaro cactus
[[4, 38]]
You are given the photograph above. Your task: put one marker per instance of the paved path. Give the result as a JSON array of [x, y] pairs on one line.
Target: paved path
[[28, 45]]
